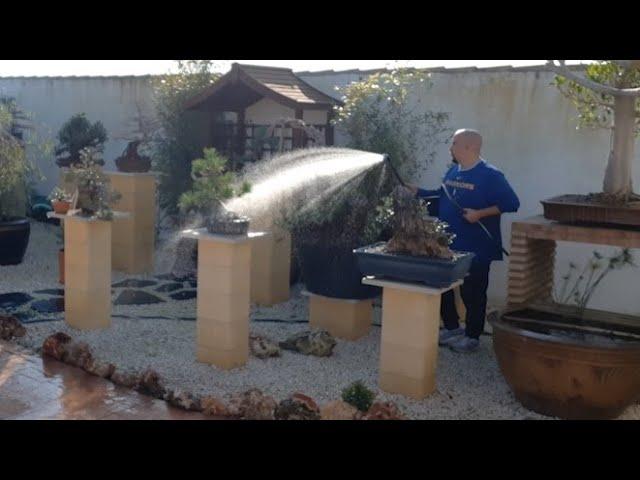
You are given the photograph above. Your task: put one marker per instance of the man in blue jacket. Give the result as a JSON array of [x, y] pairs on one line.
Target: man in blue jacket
[[472, 190]]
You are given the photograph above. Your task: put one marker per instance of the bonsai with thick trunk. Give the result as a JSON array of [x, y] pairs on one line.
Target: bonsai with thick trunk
[[607, 97]]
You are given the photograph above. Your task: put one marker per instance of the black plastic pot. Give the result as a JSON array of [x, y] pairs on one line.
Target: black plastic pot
[[333, 272], [14, 238], [433, 272]]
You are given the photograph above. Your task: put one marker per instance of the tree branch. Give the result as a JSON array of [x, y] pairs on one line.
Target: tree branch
[[577, 99], [563, 71]]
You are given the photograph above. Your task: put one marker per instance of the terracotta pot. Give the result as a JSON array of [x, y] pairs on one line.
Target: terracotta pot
[[61, 206], [564, 375], [61, 266]]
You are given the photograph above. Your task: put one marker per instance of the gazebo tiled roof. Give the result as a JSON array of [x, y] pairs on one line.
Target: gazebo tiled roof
[[244, 85]]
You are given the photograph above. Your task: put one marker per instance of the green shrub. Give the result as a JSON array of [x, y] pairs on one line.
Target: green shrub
[[358, 395]]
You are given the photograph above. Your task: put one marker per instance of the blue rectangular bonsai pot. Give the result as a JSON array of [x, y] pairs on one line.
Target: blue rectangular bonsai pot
[[433, 272]]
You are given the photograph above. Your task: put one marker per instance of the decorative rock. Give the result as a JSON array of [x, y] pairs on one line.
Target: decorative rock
[[150, 384], [252, 405], [125, 378], [58, 292], [14, 300], [136, 297], [10, 327], [50, 305], [134, 283], [214, 407], [78, 354], [169, 287], [184, 295], [339, 410], [184, 400], [100, 369], [384, 411], [263, 347], [297, 407], [56, 345], [318, 342]]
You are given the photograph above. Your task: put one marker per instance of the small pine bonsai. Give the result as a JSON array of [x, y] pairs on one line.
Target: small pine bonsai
[[358, 395], [212, 183], [77, 134]]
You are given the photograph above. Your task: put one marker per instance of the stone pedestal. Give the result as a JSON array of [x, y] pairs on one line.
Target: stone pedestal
[[409, 344], [224, 274], [133, 239], [87, 265], [349, 319], [270, 267]]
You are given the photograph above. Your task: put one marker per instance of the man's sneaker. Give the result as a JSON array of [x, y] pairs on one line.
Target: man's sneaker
[[464, 344], [447, 336]]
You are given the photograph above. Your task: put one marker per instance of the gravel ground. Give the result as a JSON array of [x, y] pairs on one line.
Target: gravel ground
[[468, 386]]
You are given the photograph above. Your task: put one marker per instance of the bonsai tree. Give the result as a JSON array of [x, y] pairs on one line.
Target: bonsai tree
[[607, 97], [414, 232], [379, 116], [212, 183], [135, 157], [94, 196], [77, 134]]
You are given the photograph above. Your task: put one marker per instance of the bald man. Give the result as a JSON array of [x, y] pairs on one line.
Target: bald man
[[483, 193]]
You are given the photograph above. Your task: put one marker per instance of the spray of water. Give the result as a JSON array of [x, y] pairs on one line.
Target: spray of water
[[295, 178], [298, 178]]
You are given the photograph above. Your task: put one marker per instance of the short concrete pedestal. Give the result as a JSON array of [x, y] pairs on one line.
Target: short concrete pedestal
[[409, 345], [87, 267], [349, 319], [224, 274], [133, 239], [270, 267]]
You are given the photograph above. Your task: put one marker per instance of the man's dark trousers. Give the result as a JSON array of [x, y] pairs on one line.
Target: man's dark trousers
[[474, 295]]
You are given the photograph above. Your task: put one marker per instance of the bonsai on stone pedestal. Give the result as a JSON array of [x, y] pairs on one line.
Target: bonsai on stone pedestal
[[418, 250], [212, 183]]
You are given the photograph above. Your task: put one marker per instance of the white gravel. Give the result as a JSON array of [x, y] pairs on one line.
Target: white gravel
[[468, 386]]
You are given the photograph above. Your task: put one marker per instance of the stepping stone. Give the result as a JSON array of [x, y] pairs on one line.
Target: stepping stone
[[136, 297], [134, 283], [169, 287], [24, 317], [52, 291], [51, 305], [184, 295], [165, 276], [14, 300]]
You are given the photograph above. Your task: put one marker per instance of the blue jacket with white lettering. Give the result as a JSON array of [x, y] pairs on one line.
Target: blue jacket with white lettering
[[481, 186]]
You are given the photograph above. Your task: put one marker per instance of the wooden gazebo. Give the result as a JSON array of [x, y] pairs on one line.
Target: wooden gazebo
[[258, 99]]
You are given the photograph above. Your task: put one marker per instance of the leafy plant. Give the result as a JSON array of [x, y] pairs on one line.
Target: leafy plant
[[586, 282], [77, 134], [212, 183], [358, 395], [58, 194], [16, 169], [379, 117], [177, 143], [95, 197]]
